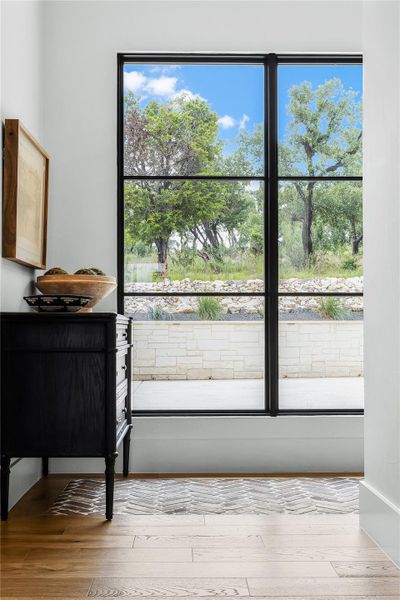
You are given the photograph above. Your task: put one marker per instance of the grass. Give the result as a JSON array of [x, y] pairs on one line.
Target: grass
[[209, 308], [289, 273], [157, 313], [239, 269], [331, 308], [245, 266]]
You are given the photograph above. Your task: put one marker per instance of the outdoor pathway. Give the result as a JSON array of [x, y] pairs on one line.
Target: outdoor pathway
[[248, 394]]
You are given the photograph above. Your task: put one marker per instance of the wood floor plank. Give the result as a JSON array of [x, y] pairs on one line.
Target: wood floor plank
[[88, 521], [283, 519], [356, 540], [21, 541], [197, 541], [12, 557], [110, 529], [352, 597], [302, 529], [311, 587], [41, 587], [133, 587], [107, 555], [236, 554], [94, 568], [366, 569], [303, 539], [105, 529], [38, 527], [160, 520]]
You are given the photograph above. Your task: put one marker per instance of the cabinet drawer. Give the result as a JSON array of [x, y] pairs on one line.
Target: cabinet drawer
[[122, 335], [121, 366]]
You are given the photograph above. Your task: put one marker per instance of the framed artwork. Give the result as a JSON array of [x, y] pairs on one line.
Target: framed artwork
[[25, 197]]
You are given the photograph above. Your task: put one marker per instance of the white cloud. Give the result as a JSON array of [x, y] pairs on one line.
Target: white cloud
[[243, 121], [187, 95], [162, 86], [164, 69], [226, 122], [134, 81]]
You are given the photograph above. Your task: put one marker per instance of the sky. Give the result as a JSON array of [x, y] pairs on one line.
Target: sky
[[234, 92]]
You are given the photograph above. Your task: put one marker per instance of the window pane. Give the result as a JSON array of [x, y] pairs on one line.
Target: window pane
[[320, 236], [185, 236], [193, 119], [320, 353], [319, 120], [197, 353]]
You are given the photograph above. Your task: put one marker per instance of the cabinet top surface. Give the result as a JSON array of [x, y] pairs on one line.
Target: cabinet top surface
[[61, 315]]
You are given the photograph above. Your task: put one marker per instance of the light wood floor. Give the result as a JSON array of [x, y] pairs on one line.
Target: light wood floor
[[188, 556]]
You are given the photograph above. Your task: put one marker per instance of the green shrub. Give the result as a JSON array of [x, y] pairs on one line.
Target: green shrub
[[350, 263], [291, 254], [184, 257], [216, 266], [331, 308], [157, 276], [156, 313], [322, 264], [209, 308]]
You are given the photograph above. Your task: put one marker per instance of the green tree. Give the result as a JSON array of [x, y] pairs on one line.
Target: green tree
[[339, 207], [178, 137], [323, 139], [248, 157], [244, 217], [207, 210], [175, 138]]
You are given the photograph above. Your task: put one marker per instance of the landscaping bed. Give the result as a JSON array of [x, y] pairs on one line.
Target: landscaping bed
[[244, 308]]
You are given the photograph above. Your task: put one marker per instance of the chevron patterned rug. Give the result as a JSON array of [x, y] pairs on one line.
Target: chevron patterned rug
[[335, 495]]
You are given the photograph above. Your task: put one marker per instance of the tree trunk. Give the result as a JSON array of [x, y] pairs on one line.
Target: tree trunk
[[212, 235], [162, 254], [355, 246], [307, 222]]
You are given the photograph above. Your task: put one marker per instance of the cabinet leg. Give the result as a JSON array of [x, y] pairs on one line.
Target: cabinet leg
[[5, 484], [127, 446], [45, 466], [110, 472]]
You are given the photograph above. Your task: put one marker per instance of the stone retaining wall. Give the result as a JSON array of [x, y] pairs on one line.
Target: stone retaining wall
[[234, 350], [233, 305]]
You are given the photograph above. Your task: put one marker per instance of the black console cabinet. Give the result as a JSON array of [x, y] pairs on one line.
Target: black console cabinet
[[66, 390]]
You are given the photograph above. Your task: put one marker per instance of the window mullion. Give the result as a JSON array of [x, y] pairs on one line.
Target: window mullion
[[271, 230]]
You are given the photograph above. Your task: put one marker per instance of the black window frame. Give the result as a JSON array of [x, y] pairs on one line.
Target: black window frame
[[270, 180]]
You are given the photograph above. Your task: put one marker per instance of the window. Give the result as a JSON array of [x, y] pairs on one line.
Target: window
[[240, 232]]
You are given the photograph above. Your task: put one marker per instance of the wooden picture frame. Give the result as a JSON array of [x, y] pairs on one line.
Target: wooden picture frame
[[25, 197]]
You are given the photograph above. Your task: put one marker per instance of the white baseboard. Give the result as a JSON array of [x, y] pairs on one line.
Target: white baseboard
[[238, 444], [380, 519]]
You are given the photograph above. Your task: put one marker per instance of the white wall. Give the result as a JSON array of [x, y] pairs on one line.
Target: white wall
[[21, 97], [82, 39], [22, 55], [380, 493]]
